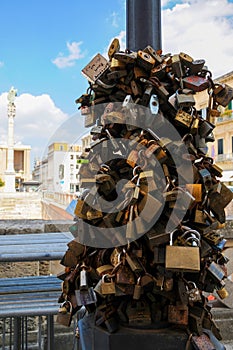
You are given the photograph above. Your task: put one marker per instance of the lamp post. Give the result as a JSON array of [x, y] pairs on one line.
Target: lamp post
[[10, 171], [143, 24]]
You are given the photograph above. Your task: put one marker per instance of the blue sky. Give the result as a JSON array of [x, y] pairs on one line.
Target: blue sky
[[45, 44]]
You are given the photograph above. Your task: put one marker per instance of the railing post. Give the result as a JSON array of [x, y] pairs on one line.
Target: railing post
[[17, 333], [50, 332]]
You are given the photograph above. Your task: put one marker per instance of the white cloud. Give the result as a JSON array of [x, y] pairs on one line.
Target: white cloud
[[114, 19], [74, 54], [39, 122], [122, 39], [202, 29], [1, 64], [36, 120]]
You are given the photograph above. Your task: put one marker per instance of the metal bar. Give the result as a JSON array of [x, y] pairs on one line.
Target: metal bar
[[10, 333], [50, 332], [26, 333], [3, 334], [40, 333], [17, 333], [143, 24], [22, 333]]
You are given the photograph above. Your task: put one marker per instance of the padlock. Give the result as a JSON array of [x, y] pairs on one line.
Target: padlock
[[123, 273], [113, 48], [137, 290], [193, 292], [222, 293], [138, 313], [205, 128], [104, 269], [176, 66], [212, 109], [186, 60], [216, 271], [116, 64], [194, 126], [206, 178], [158, 59], [145, 61], [134, 263], [202, 342], [65, 317], [81, 209], [218, 200], [126, 57], [183, 118], [224, 96], [159, 71], [95, 68], [178, 314], [196, 66], [182, 257], [160, 88], [107, 285], [196, 83], [83, 296], [168, 282], [195, 190], [195, 319], [184, 99]]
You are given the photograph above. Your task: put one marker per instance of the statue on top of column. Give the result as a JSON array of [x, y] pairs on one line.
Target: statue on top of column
[[11, 95]]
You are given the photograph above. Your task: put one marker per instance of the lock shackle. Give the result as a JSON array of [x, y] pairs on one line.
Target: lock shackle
[[171, 236], [194, 239], [136, 168], [192, 231], [188, 283], [64, 305]]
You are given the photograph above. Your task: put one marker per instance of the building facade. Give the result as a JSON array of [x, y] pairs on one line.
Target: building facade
[[21, 163], [222, 148], [58, 172]]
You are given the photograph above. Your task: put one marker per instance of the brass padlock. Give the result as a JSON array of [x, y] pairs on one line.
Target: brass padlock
[[182, 257], [64, 316], [113, 48], [183, 118], [107, 285]]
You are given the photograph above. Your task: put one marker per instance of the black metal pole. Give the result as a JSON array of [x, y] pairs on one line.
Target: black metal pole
[[143, 24]]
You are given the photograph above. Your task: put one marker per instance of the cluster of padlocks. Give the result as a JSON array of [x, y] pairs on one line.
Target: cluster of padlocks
[[146, 243]]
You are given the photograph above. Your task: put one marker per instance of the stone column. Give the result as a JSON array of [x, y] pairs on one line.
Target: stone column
[[10, 171]]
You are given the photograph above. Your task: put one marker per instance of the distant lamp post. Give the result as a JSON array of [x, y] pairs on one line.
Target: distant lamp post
[[10, 171]]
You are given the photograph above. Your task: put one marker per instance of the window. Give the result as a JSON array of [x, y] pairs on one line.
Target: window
[[71, 156], [61, 148], [220, 146], [77, 166]]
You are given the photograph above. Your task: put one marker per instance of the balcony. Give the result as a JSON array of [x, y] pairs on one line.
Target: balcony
[[224, 157]]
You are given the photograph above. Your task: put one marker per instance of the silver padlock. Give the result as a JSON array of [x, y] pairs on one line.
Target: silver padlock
[[193, 292]]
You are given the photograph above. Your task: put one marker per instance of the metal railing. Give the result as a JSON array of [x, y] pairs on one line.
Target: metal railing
[[224, 157]]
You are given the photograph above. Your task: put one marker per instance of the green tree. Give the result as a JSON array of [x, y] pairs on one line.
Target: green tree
[[2, 183]]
